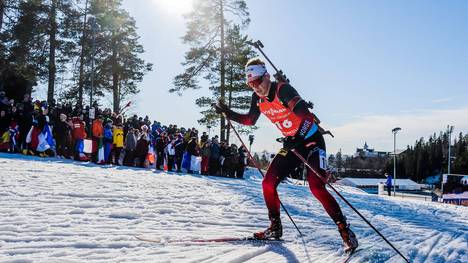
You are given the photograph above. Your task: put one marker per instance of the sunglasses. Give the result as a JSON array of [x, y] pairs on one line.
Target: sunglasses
[[256, 82]]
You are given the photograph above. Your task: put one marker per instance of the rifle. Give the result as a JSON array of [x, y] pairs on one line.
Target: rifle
[[281, 77]]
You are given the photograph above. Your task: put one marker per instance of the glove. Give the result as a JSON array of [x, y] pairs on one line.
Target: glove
[[220, 107], [290, 143]]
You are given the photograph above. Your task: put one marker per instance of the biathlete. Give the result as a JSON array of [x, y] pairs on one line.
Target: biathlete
[[281, 103]]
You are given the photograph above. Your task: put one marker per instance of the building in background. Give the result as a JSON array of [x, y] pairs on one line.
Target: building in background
[[366, 152]]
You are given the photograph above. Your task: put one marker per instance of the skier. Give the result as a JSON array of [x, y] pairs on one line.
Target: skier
[[281, 103]]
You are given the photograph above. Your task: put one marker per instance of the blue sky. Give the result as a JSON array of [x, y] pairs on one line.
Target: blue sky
[[368, 66]]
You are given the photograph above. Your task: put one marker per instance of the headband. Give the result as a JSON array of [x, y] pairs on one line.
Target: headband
[[255, 71]]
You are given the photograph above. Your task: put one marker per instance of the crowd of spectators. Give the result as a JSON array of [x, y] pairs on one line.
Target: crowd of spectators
[[104, 137]]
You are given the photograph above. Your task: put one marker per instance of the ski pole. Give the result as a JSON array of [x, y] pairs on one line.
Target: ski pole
[[346, 201], [258, 167]]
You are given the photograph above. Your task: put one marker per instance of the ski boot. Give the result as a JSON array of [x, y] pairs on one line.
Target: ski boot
[[350, 242], [275, 231]]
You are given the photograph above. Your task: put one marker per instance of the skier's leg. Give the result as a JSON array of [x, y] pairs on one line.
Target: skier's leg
[[277, 171], [317, 187], [270, 194]]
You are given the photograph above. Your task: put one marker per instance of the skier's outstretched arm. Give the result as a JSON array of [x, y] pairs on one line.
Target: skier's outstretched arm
[[247, 119]]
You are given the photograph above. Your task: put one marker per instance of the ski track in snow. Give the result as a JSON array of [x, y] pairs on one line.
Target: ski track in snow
[[56, 210]]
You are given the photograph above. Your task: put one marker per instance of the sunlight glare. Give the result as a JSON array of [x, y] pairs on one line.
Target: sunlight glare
[[174, 7]]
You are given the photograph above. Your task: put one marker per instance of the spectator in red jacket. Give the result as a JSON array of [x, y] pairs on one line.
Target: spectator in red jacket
[[79, 134]]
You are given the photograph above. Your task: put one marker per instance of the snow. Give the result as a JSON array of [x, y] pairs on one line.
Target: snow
[[55, 210]]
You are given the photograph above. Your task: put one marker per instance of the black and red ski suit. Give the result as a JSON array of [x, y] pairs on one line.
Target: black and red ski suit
[[285, 108]]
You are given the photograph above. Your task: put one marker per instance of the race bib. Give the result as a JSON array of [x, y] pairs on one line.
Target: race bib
[[323, 159]]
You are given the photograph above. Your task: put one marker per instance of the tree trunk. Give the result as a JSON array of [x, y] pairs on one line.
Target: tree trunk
[[231, 77], [115, 75], [223, 70], [82, 58], [2, 10], [52, 47]]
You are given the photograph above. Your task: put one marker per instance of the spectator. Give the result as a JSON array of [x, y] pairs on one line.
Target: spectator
[[32, 139], [141, 151], [78, 135], [180, 146], [38, 120], [232, 161], [14, 131], [215, 156], [107, 141], [118, 141], [61, 134], [170, 154], [223, 152], [25, 121], [388, 183], [146, 121], [97, 137], [4, 121], [128, 154], [205, 154], [159, 147], [191, 150], [203, 138], [140, 122], [3, 101], [134, 122], [242, 163], [4, 133]]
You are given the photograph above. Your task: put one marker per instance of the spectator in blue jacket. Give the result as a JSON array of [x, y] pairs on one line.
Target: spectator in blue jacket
[[388, 183], [107, 140]]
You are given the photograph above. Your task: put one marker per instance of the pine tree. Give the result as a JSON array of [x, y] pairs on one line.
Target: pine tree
[[25, 53], [238, 94], [83, 38], [85, 34], [37, 45], [120, 64], [208, 56], [8, 15], [460, 164], [430, 158], [3, 10], [63, 21]]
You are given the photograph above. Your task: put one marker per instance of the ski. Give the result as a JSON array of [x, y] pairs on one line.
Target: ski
[[208, 240], [351, 254]]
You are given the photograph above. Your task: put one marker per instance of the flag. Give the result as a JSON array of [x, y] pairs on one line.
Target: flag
[[150, 155]]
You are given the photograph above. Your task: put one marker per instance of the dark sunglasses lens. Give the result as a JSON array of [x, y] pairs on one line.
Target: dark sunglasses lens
[[256, 82]]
